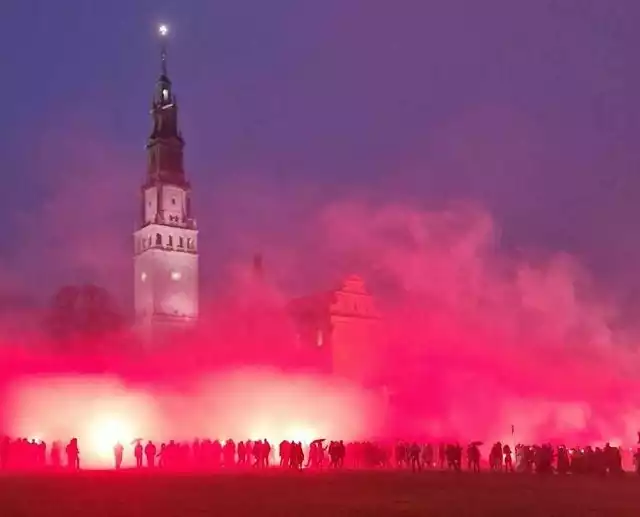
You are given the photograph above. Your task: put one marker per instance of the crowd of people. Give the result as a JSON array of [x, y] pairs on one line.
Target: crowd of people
[[23, 454]]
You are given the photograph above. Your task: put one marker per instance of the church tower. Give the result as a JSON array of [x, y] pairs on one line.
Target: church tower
[[166, 242]]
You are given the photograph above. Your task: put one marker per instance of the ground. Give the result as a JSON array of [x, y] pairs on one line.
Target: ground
[[389, 493]]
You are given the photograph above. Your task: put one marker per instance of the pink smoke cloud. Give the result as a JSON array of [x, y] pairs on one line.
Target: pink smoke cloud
[[476, 338]]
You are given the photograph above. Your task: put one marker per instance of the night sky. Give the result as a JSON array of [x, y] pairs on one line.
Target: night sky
[[530, 109]]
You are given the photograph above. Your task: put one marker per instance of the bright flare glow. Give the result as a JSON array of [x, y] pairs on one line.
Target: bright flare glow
[[99, 411], [104, 433], [302, 433], [163, 30], [240, 404], [175, 275]]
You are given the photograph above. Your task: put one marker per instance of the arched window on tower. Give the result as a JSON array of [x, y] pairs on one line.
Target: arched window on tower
[[181, 242], [171, 241], [158, 239]]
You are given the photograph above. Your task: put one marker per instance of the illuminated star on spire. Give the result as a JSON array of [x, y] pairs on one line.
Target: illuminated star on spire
[[163, 30]]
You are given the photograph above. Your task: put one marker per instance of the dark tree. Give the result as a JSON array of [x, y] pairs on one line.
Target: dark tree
[[82, 314]]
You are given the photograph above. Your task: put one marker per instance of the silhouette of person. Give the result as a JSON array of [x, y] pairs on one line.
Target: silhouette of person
[[5, 447], [162, 455], [414, 457], [137, 452], [118, 451], [150, 453], [73, 454], [56, 454]]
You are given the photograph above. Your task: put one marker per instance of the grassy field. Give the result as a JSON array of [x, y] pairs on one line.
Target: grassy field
[[130, 494]]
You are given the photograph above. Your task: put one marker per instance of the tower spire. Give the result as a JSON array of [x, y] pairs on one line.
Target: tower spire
[[163, 30], [165, 144]]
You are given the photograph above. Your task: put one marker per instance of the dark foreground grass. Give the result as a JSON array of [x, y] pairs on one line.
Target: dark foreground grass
[[131, 494]]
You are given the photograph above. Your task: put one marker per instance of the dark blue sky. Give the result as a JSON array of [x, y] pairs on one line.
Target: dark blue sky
[[530, 108]]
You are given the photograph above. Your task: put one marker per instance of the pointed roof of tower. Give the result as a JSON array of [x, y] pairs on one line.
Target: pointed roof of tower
[[163, 95], [165, 165], [163, 30]]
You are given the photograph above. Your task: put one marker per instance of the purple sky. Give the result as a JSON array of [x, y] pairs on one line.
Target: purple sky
[[530, 108]]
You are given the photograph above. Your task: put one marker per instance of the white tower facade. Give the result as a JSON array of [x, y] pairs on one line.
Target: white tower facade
[[166, 242]]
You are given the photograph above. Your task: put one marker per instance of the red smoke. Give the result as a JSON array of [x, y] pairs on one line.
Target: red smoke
[[480, 340], [476, 338], [241, 404]]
